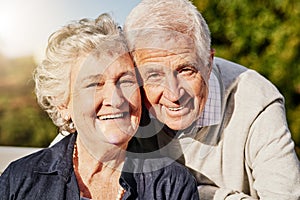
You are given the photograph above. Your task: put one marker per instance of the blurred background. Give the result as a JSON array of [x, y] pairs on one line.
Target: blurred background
[[263, 35]]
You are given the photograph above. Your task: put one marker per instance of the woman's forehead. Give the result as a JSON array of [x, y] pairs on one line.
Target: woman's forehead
[[104, 64]]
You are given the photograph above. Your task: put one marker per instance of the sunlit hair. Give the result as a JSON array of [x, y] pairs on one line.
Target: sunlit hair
[[65, 47], [172, 15]]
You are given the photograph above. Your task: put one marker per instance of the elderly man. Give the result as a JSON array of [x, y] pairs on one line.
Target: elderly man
[[226, 123]]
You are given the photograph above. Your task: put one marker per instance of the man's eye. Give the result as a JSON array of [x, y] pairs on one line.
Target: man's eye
[[154, 76], [187, 71]]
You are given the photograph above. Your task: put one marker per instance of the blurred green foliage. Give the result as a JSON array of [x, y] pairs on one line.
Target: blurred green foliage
[[263, 35], [22, 122]]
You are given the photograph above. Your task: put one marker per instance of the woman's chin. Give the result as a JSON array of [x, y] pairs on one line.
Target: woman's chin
[[119, 139]]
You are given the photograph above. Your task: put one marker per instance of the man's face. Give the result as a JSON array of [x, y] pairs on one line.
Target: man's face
[[175, 89]]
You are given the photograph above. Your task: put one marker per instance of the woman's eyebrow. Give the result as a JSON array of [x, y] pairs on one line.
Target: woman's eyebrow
[[90, 78], [128, 73]]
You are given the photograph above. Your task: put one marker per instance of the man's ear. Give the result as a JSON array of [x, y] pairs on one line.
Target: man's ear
[[212, 54], [211, 59]]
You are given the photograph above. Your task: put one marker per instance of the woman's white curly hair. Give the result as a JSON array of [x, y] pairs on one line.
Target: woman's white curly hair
[[65, 47]]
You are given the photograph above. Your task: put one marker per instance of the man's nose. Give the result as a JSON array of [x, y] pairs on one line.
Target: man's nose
[[172, 90]]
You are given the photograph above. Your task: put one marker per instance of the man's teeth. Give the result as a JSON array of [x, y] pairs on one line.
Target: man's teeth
[[115, 116], [175, 109]]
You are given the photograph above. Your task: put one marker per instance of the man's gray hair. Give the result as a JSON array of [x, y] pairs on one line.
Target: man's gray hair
[[170, 15]]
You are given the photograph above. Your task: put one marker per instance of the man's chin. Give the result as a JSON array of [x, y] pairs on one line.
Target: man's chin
[[177, 125]]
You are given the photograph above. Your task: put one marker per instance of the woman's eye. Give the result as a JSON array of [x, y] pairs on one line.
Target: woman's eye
[[126, 82], [95, 84]]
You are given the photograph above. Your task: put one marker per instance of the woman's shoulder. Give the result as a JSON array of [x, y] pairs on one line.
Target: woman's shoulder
[[40, 160], [19, 172], [169, 167], [158, 166], [26, 164], [167, 180]]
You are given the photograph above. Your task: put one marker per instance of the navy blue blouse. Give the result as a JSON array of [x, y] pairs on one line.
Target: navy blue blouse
[[49, 174]]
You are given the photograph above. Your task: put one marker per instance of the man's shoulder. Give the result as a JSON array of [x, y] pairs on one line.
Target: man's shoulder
[[226, 65], [237, 77]]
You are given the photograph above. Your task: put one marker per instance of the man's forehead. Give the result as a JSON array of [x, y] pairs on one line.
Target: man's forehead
[[154, 57], [162, 40], [149, 42], [160, 47]]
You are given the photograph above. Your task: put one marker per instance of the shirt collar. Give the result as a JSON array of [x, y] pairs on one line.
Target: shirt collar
[[58, 158]]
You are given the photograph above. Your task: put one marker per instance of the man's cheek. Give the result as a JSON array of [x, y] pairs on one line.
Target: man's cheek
[[152, 95]]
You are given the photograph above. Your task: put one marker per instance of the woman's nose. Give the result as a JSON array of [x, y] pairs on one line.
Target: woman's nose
[[113, 96]]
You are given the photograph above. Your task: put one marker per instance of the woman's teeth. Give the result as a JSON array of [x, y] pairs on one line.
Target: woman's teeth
[[115, 116]]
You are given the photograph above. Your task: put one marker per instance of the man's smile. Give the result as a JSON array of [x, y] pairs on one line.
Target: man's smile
[[175, 108]]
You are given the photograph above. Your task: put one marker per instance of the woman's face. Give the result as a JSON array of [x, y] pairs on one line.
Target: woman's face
[[105, 100]]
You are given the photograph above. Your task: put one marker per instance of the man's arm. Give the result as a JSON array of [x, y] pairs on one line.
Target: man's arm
[[271, 156]]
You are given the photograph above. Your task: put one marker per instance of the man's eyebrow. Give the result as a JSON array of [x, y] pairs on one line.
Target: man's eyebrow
[[187, 64], [150, 68]]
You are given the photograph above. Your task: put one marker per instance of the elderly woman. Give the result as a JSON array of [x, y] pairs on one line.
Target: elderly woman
[[87, 84]]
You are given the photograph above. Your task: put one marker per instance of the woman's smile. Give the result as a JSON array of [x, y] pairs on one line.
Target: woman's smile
[[113, 116]]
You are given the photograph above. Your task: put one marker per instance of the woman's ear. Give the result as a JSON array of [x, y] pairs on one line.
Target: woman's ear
[[64, 112]]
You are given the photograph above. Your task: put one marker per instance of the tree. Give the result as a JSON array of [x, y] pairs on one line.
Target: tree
[[262, 35]]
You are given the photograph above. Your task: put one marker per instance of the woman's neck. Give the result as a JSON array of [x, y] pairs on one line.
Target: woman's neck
[[93, 172], [108, 157]]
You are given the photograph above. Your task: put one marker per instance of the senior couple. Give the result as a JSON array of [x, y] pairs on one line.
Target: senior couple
[[153, 115]]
